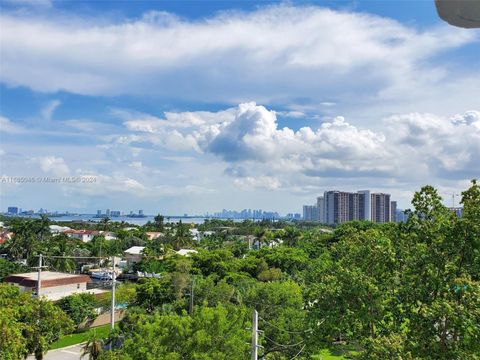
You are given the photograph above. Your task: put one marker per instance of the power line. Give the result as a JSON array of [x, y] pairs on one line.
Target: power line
[[301, 350], [282, 345], [287, 331]]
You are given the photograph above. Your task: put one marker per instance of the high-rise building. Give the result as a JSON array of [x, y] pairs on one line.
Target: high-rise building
[[342, 206], [99, 212], [393, 211], [12, 210], [321, 209], [310, 213], [337, 207], [365, 204], [380, 207]]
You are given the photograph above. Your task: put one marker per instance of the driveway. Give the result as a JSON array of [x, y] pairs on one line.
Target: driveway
[[67, 353]]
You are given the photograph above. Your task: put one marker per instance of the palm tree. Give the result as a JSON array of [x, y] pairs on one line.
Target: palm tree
[[291, 236], [93, 347], [23, 243], [104, 223], [182, 236], [43, 227], [62, 245]]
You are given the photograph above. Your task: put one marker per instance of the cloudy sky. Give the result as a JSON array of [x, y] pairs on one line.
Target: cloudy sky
[[189, 107]]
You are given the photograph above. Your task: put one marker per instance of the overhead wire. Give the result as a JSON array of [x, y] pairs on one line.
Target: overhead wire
[[284, 330], [301, 350]]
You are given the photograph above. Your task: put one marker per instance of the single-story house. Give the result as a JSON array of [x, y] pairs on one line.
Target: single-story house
[[53, 285], [88, 235], [153, 234], [186, 252], [84, 235], [108, 235], [57, 229], [199, 235], [5, 235], [134, 254]]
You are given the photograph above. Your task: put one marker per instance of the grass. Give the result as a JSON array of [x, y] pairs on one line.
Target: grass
[[77, 338], [336, 353]]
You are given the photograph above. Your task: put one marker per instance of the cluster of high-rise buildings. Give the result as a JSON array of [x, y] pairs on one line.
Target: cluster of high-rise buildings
[[245, 214], [337, 207], [117, 213]]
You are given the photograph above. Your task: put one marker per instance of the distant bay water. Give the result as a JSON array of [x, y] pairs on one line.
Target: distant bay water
[[127, 219]]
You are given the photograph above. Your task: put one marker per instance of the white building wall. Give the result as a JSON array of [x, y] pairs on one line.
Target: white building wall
[[57, 292]]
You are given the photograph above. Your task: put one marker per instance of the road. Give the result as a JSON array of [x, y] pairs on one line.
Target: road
[[67, 353]]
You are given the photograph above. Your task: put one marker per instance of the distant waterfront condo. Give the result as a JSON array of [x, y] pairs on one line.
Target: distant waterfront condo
[[321, 209], [310, 213], [393, 211], [337, 207], [381, 208]]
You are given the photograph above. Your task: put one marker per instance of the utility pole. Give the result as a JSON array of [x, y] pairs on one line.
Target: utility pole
[[39, 279], [112, 314], [255, 335], [190, 310]]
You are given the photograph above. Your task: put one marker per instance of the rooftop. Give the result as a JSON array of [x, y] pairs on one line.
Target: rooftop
[[186, 252], [135, 250], [48, 278], [82, 232]]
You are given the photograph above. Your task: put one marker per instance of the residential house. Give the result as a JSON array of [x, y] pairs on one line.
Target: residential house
[[134, 254], [153, 234], [5, 235], [186, 252], [53, 285]]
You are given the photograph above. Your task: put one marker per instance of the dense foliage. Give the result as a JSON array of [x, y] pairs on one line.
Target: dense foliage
[[28, 325], [391, 291]]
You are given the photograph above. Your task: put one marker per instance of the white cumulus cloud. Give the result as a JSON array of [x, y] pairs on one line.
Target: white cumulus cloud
[[248, 138], [53, 165], [273, 53]]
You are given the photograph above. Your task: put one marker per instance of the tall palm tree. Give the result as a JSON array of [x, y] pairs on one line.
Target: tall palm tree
[[62, 245], [43, 227], [291, 236], [182, 236], [24, 242], [104, 223]]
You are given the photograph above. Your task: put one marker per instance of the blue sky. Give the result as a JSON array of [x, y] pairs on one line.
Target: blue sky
[[192, 106]]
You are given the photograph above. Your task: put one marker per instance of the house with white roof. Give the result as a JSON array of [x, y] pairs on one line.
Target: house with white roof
[[57, 229], [134, 254], [186, 252]]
